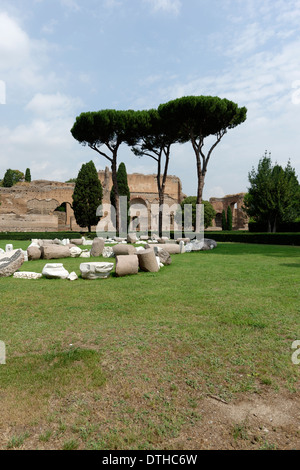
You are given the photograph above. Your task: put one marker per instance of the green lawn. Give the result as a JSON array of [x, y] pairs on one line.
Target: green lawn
[[121, 363]]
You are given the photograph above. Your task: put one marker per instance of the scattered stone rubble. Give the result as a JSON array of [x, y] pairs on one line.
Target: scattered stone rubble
[[27, 275], [131, 255], [10, 262], [95, 270], [55, 271]]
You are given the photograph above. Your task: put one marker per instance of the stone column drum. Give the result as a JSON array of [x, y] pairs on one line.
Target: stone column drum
[[126, 265], [97, 247], [148, 261], [123, 249]]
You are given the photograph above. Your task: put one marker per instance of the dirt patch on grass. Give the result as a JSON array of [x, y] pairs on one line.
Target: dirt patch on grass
[[150, 399], [267, 421], [139, 406]]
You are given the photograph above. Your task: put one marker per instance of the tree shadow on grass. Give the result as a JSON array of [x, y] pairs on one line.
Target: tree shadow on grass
[[278, 251], [291, 265]]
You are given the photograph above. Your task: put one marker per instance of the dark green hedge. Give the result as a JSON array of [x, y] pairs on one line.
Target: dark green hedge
[[221, 236], [282, 228], [260, 238], [247, 237], [43, 235]]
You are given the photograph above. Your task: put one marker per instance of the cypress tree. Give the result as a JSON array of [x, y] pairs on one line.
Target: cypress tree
[[87, 196], [123, 191], [229, 218], [224, 221], [8, 179], [27, 175]]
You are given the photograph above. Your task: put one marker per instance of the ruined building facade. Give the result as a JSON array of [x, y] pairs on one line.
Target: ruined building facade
[[42, 205], [235, 201]]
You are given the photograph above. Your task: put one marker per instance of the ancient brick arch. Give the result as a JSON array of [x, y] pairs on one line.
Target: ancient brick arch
[[139, 209], [217, 222], [41, 206], [235, 201], [144, 187], [33, 206], [139, 201], [143, 190]]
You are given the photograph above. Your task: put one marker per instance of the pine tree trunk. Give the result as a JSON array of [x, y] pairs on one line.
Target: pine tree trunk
[[201, 177], [116, 189], [269, 224], [161, 185], [160, 214], [200, 189]]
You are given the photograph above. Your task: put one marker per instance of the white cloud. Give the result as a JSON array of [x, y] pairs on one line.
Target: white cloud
[[85, 78], [110, 4], [43, 141], [53, 106], [47, 147], [249, 40], [261, 72], [71, 5], [262, 81], [49, 28], [2, 92], [14, 44], [251, 57], [168, 6], [215, 191], [23, 61]]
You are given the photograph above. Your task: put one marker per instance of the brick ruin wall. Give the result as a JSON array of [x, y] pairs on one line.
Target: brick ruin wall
[[31, 207], [144, 187], [235, 201]]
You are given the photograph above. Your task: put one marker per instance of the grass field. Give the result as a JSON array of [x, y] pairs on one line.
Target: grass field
[[146, 361]]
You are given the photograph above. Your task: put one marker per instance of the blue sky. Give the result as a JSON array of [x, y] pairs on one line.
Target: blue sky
[[61, 57]]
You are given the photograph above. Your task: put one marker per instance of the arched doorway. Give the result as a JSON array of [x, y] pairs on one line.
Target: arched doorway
[[138, 211], [63, 213], [218, 220]]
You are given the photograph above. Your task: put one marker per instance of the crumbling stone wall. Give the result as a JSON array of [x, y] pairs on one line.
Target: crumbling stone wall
[[32, 206], [143, 191], [28, 223], [235, 201], [144, 187]]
